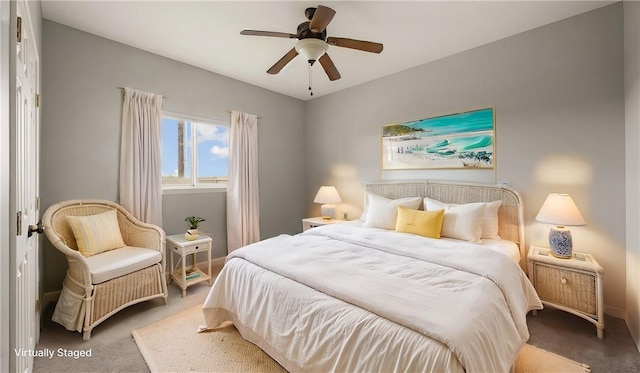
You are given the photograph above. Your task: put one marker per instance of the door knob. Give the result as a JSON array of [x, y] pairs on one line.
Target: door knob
[[35, 228]]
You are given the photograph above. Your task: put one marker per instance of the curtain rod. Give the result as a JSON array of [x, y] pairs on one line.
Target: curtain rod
[[228, 111], [163, 96]]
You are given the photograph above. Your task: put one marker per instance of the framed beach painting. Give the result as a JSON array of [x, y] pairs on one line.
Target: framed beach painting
[[455, 141]]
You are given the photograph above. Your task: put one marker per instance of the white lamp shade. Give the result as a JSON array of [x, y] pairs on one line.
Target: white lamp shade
[[559, 209], [311, 49], [327, 194]]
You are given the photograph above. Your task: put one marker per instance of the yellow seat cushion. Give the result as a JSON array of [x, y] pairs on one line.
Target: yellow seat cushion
[[423, 223], [96, 233]]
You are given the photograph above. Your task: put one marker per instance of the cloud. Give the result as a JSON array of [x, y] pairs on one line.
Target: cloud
[[167, 174], [219, 151], [207, 132]]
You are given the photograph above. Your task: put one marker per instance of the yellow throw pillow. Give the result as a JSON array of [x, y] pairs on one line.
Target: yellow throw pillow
[[424, 223], [96, 233]]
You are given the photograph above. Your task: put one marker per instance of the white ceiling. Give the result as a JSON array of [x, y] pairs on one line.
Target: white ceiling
[[206, 34]]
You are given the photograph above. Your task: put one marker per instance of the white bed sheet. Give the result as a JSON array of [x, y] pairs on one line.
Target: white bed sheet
[[505, 247], [307, 330]]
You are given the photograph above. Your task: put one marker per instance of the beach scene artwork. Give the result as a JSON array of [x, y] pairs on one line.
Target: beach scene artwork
[[455, 141]]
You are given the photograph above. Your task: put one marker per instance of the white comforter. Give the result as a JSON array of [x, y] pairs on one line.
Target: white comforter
[[343, 298]]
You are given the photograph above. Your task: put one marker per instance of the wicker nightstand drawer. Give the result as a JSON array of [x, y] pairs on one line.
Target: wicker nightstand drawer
[[570, 288]]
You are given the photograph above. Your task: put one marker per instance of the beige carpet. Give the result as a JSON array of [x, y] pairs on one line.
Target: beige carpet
[[172, 345]]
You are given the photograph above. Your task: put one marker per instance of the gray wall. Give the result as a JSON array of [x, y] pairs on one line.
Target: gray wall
[[632, 119], [81, 116], [558, 93]]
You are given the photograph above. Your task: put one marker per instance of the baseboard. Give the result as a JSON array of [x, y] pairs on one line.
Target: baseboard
[[633, 333], [615, 312], [219, 262], [51, 297]]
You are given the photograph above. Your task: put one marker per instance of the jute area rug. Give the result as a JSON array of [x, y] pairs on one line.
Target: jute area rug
[[172, 345]]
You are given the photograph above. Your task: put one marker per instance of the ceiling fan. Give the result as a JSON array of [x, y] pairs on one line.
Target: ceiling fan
[[313, 42]]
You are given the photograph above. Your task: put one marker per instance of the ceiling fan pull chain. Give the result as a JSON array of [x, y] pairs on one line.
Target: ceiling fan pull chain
[[310, 91]]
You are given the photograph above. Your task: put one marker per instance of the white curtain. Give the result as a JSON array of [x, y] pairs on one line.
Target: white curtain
[[243, 210], [140, 156]]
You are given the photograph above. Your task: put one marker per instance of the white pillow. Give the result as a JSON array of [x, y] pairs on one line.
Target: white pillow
[[383, 212], [489, 223], [462, 222]]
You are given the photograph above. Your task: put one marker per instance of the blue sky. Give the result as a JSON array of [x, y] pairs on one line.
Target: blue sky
[[213, 148]]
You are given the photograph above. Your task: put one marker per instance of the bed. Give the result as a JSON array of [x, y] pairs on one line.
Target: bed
[[357, 297]]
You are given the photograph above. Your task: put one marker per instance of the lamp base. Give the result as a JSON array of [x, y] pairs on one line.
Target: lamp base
[[561, 242], [328, 211]]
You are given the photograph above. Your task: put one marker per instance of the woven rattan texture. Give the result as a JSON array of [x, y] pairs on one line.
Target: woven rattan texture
[[509, 214], [104, 299], [110, 296], [576, 291]]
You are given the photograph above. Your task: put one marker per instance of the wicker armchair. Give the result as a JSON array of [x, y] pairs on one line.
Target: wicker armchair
[[101, 285]]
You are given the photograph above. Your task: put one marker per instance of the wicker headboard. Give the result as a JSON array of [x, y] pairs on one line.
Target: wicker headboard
[[510, 214]]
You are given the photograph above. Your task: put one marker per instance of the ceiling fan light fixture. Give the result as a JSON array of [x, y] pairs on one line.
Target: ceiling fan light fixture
[[313, 43], [311, 49]]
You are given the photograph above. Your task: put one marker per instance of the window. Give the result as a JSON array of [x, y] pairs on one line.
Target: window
[[194, 152]]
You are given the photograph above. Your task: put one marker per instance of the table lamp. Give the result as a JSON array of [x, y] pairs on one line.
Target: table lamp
[[328, 196], [560, 210]]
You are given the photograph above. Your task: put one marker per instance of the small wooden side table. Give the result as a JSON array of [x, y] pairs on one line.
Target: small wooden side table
[[182, 274], [572, 285]]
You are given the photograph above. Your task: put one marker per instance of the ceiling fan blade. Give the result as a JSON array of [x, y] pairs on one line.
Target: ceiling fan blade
[[367, 46], [283, 62], [321, 18], [268, 33], [329, 67]]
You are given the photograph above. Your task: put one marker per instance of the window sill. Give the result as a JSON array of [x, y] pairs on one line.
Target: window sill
[[193, 190]]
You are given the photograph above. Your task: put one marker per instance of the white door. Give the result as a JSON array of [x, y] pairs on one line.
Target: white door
[[26, 312], [6, 218]]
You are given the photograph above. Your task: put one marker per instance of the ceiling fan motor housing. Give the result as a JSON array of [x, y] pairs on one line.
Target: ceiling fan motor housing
[[309, 12], [305, 33]]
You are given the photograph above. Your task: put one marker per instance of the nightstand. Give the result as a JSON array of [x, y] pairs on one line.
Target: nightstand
[[309, 223], [182, 274], [573, 285]]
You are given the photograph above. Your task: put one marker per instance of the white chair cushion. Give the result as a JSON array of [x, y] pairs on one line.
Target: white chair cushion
[[119, 262]]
